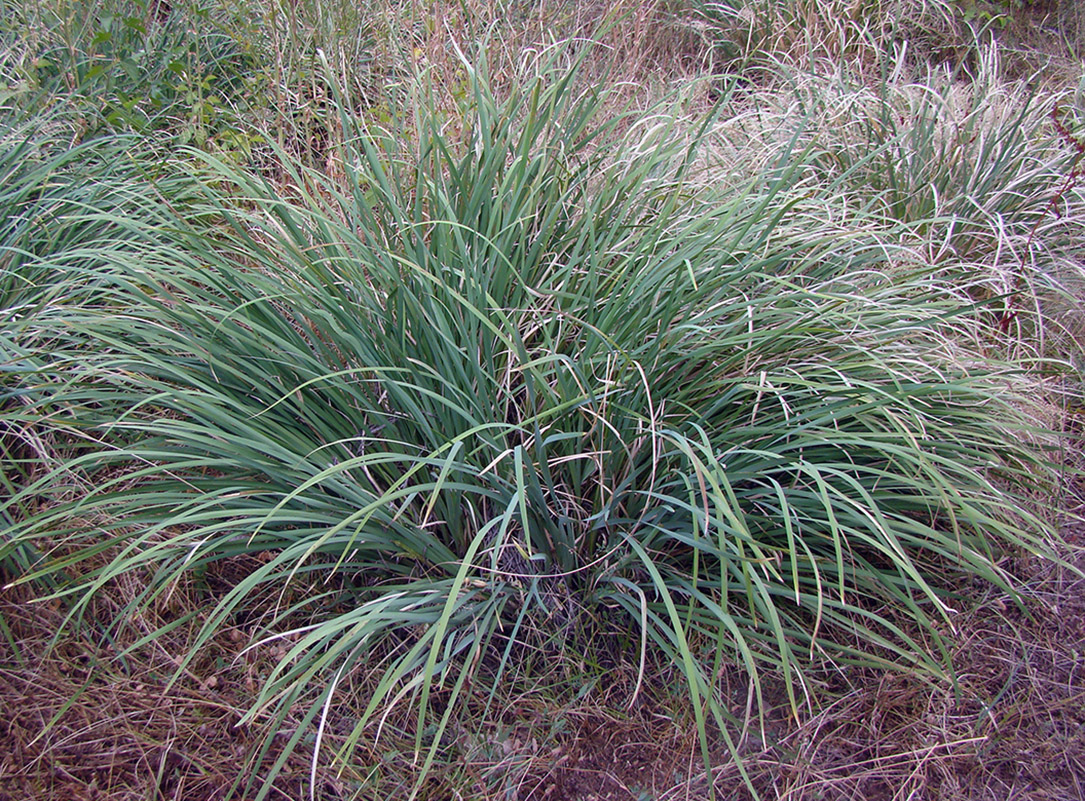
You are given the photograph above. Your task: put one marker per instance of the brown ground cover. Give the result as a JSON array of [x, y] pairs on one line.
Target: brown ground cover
[[77, 722]]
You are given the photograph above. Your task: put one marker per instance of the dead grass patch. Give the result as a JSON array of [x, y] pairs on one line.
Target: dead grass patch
[[80, 721]]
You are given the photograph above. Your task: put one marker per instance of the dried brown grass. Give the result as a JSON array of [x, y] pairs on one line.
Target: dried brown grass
[[82, 718], [78, 721]]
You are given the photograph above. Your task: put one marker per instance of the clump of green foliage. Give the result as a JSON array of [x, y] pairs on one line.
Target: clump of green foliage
[[504, 392], [144, 66]]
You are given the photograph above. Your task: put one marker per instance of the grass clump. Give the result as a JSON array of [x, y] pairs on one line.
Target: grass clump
[[68, 213], [979, 176], [499, 394]]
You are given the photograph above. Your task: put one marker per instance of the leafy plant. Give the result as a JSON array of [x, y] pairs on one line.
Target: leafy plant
[[998, 13], [509, 392], [131, 65]]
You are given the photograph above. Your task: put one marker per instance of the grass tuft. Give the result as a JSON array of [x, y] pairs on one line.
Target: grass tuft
[[489, 395]]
